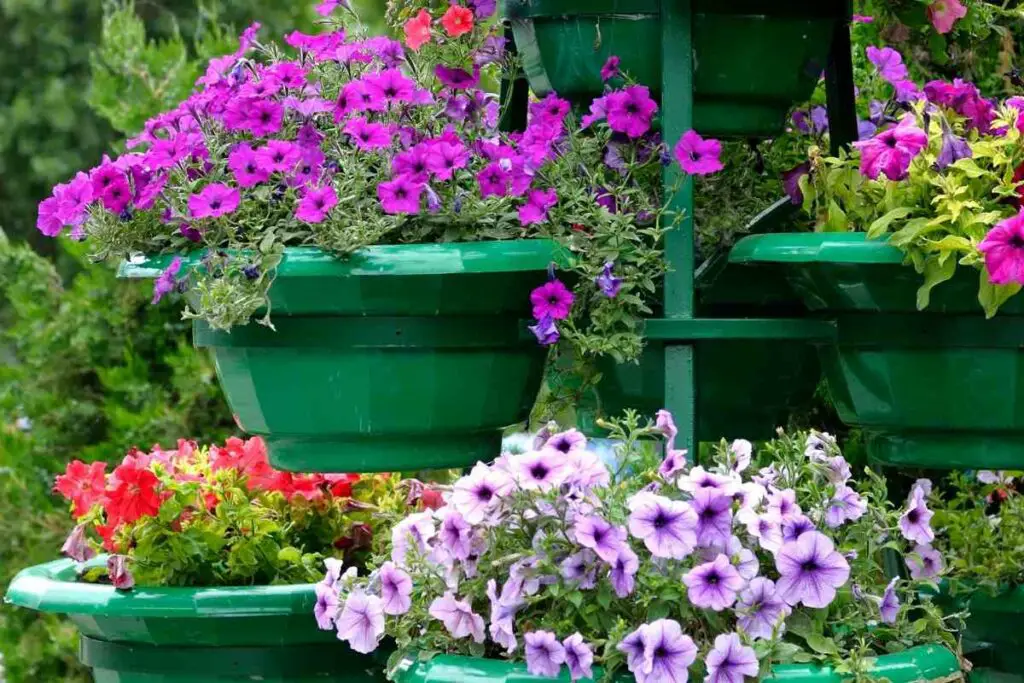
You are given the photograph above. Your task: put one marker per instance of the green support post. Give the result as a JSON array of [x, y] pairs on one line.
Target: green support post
[[677, 118], [839, 90]]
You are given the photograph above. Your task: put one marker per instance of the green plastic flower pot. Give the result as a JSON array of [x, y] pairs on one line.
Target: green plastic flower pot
[[939, 388], [925, 664], [194, 635], [399, 357], [753, 59], [993, 626]]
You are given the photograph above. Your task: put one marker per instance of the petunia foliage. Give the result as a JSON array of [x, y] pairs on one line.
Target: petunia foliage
[[659, 569], [219, 516]]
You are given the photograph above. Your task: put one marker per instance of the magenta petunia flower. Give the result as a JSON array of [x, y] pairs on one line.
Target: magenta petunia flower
[[667, 527], [361, 622], [166, 281], [668, 653], [544, 654], [551, 300], [264, 117], [366, 135], [493, 180], [945, 13], [457, 79], [458, 617], [714, 517], [327, 607], [444, 158], [630, 110], [713, 585], [278, 156], [395, 589], [607, 282], [479, 493], [401, 195], [541, 470], [925, 563], [537, 205], [698, 156], [316, 204], [214, 201], [596, 533], [610, 69], [546, 331], [891, 151], [1003, 248], [810, 570], [389, 87], [622, 575], [549, 113], [915, 523], [761, 612], [730, 661], [598, 112]]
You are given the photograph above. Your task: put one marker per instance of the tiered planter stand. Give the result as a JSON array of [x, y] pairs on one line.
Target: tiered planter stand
[[194, 635]]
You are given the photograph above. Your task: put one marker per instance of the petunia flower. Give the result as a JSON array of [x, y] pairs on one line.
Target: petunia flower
[[945, 13], [552, 299], [578, 657], [395, 589], [1003, 248], [846, 506], [457, 20], [117, 571], [610, 69], [891, 151], [714, 516], [810, 570], [546, 331], [316, 204], [668, 652], [667, 527], [400, 195], [630, 110], [457, 79], [622, 574], [596, 533], [888, 63], [915, 522], [455, 533], [761, 612], [478, 494], [925, 563], [278, 156], [889, 605], [713, 585], [730, 661], [76, 547], [541, 470], [698, 156], [366, 135], [607, 283], [361, 622], [327, 607], [537, 205], [458, 617]]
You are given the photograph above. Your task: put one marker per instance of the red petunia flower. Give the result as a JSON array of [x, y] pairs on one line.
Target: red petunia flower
[[341, 484], [82, 484], [457, 20], [134, 493]]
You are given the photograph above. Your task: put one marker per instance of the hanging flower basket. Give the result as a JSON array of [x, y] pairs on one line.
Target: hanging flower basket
[[173, 635], [937, 388], [405, 356], [752, 59]]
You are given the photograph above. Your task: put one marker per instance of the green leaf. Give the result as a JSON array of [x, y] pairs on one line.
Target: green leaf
[[290, 555], [837, 221], [659, 609], [991, 296], [881, 225], [970, 168], [821, 644], [936, 270]]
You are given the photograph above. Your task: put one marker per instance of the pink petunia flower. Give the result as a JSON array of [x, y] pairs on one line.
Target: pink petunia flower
[[401, 195], [214, 201], [1003, 248], [698, 156], [945, 13], [316, 203]]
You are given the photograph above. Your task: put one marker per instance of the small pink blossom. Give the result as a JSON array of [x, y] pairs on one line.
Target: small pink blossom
[[945, 13], [698, 156], [214, 201]]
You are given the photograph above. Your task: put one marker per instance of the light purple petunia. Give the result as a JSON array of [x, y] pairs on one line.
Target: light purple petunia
[[810, 570], [544, 654], [664, 423], [794, 526], [540, 470], [166, 281], [581, 568], [623, 572], [767, 529], [730, 661], [578, 657], [455, 534], [567, 441], [674, 462], [699, 478], [667, 527], [599, 535], [633, 646], [742, 558], [503, 612], [412, 532], [889, 605], [607, 283], [915, 523], [740, 452], [395, 589], [361, 623], [458, 617], [783, 504], [761, 611], [586, 470], [714, 516], [668, 653], [925, 563], [333, 573], [326, 607], [713, 585], [477, 494], [846, 505]]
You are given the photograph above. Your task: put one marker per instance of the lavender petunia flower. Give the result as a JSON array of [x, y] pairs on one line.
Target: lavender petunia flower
[[76, 546], [767, 529], [458, 617], [578, 656], [544, 654], [540, 470], [666, 425], [796, 525], [361, 623], [668, 653], [714, 516], [740, 452], [713, 585], [889, 605], [925, 563], [837, 470], [502, 627], [699, 478], [333, 573], [455, 534], [580, 567], [953, 148], [326, 608], [667, 527], [546, 331], [623, 572], [117, 571], [477, 494], [587, 470], [607, 282], [412, 532], [730, 661], [633, 646], [915, 523], [846, 505], [599, 535], [810, 570], [762, 613], [395, 589], [567, 441], [166, 281], [989, 477], [783, 504], [674, 462], [742, 558]]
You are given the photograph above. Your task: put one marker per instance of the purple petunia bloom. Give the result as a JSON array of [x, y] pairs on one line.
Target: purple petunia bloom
[[458, 617], [954, 148], [674, 462], [630, 110], [567, 441], [889, 605], [455, 534], [599, 535], [925, 563], [761, 611], [541, 470], [538, 202], [245, 166], [888, 62], [457, 79], [492, 52], [551, 300], [444, 158], [395, 589], [400, 196], [76, 546], [668, 653], [783, 504], [713, 585], [767, 529], [915, 523], [477, 494], [361, 623], [846, 505], [607, 282], [494, 181], [326, 608], [664, 423], [699, 478], [503, 612], [412, 532], [891, 151], [730, 661], [633, 646], [810, 570], [578, 656], [316, 203], [390, 86], [698, 156], [214, 201], [623, 572], [166, 281], [367, 135], [580, 567], [544, 654], [546, 331], [714, 516], [794, 526], [667, 527], [610, 69]]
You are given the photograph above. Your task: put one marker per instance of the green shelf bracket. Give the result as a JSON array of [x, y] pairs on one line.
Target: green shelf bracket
[[693, 329]]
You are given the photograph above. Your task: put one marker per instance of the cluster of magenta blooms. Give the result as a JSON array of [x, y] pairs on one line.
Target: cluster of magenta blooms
[[738, 539]]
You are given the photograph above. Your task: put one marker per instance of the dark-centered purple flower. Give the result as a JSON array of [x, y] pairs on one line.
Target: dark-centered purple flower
[[326, 608], [623, 572], [889, 605], [714, 516], [544, 654], [810, 570], [667, 527], [607, 282], [713, 585], [395, 589], [761, 612], [915, 523], [925, 563], [668, 652], [578, 656], [730, 661], [596, 533]]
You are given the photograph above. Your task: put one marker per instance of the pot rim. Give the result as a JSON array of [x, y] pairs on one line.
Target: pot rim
[[817, 247]]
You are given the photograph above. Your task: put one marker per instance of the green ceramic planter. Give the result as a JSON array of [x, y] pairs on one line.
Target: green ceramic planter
[[193, 635], [400, 357], [753, 59], [940, 388], [927, 664]]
